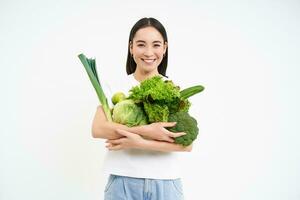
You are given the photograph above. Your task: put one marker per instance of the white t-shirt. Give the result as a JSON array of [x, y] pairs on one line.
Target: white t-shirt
[[140, 163]]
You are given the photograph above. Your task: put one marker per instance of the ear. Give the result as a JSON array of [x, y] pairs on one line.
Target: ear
[[130, 47], [165, 47]]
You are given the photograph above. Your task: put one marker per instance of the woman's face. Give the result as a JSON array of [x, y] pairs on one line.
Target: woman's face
[[148, 48]]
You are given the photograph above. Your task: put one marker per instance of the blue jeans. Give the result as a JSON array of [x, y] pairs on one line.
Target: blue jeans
[[128, 188]]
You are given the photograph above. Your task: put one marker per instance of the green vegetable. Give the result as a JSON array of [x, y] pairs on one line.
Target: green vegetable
[[90, 66], [155, 89], [161, 98], [118, 97], [163, 101], [128, 113], [156, 112], [185, 123], [188, 92], [156, 95], [179, 104]]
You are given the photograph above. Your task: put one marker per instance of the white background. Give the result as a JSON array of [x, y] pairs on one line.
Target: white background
[[246, 54]]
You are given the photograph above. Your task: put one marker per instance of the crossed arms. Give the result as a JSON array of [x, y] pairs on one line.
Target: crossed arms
[[122, 137]]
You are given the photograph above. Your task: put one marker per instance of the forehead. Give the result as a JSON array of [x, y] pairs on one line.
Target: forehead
[[148, 34]]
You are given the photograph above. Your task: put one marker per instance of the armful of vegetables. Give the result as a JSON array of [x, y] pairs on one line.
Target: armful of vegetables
[[164, 101], [156, 100], [153, 100]]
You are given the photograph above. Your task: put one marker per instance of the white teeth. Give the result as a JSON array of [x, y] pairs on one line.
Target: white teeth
[[148, 60]]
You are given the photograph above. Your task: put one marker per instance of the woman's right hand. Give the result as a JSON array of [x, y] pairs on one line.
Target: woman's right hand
[[158, 131]]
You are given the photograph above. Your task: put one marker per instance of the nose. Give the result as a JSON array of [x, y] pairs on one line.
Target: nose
[[148, 52]]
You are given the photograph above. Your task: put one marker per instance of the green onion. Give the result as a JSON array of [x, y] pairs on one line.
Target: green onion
[[90, 67]]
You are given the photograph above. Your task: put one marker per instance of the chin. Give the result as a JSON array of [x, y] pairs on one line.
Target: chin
[[150, 70]]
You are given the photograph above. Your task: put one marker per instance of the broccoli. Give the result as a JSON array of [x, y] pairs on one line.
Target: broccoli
[[185, 123]]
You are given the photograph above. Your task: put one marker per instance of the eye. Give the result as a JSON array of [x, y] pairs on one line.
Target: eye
[[140, 45], [157, 45]]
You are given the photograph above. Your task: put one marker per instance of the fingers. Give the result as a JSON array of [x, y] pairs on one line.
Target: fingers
[[114, 147], [114, 144], [117, 141], [169, 133], [168, 139], [175, 135], [167, 124], [124, 133], [121, 143]]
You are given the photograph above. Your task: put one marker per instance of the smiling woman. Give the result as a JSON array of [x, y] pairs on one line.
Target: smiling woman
[[139, 167], [147, 49]]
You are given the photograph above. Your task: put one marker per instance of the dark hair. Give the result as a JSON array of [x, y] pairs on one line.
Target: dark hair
[[142, 23]]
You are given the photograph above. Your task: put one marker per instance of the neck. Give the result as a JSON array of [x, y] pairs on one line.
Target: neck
[[140, 75]]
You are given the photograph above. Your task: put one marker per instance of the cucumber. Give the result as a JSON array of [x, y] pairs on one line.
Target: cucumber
[[190, 91]]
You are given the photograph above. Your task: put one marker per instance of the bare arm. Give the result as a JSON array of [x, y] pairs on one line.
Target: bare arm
[[164, 146], [134, 141], [101, 128]]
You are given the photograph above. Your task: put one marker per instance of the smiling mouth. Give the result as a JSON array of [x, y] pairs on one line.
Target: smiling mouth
[[149, 61]]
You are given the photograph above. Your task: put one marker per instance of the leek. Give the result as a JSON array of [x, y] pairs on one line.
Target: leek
[[90, 67]]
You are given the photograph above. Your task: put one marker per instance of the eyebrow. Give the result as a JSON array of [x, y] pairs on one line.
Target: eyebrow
[[156, 41]]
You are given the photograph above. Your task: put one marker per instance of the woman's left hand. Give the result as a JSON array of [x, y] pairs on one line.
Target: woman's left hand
[[130, 140]]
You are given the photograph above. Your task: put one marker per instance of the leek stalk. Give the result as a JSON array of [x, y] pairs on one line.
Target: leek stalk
[[90, 67]]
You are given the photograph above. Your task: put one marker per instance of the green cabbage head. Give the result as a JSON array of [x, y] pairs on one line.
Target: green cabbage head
[[128, 113]]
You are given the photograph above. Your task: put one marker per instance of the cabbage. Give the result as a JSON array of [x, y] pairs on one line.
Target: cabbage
[[128, 113]]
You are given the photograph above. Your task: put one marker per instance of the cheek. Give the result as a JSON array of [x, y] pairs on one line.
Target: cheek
[[159, 52], [138, 52]]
